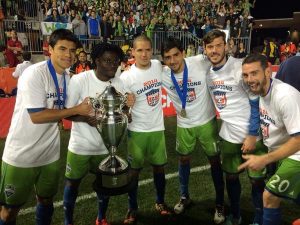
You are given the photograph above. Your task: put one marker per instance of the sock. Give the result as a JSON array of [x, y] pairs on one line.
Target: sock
[[43, 215], [70, 195], [257, 199], [7, 223], [233, 186], [272, 216], [184, 175], [217, 176], [132, 196], [102, 206], [160, 184]]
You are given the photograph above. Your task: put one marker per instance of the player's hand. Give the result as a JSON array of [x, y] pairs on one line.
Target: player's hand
[[249, 144], [85, 108], [253, 162], [130, 100]]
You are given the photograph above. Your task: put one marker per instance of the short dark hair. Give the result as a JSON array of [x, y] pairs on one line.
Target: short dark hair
[[99, 50], [255, 57], [212, 35], [26, 56], [169, 43], [62, 34], [141, 37]]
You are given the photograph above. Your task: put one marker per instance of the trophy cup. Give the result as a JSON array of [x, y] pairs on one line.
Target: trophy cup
[[112, 177]]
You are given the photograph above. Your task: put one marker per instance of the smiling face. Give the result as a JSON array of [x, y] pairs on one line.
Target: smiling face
[[142, 52], [256, 77], [174, 59], [107, 65], [62, 55], [215, 51]]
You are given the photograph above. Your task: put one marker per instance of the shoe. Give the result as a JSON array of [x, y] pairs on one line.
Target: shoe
[[162, 209], [102, 222], [231, 221], [219, 216], [130, 217], [182, 205]]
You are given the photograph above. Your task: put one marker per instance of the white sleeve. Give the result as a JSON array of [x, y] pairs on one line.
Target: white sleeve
[[32, 86], [17, 72], [126, 80]]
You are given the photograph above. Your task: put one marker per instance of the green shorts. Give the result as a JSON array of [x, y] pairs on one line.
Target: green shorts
[[79, 165], [17, 183], [148, 146], [285, 183], [231, 155], [207, 135]]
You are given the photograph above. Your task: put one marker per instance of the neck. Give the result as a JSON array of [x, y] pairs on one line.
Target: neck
[[100, 76], [58, 69], [143, 67], [220, 64]]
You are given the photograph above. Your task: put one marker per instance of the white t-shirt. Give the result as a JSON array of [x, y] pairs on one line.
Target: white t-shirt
[[84, 139], [280, 115], [231, 100], [199, 106], [29, 144], [147, 114], [20, 68]]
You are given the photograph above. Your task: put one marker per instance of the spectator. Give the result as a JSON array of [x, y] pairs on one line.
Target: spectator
[[22, 66], [106, 29], [81, 65], [287, 50], [2, 56], [14, 49], [46, 52], [231, 47], [241, 52]]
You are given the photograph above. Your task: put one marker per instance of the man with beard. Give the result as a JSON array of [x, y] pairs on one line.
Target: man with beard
[[239, 131], [279, 105], [185, 82]]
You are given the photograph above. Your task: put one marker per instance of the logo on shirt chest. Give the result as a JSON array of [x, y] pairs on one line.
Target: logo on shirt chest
[[220, 99], [153, 97], [9, 190]]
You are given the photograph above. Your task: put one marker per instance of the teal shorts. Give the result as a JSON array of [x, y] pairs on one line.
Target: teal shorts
[[231, 155], [17, 183], [285, 183], [79, 165], [207, 135], [149, 146]]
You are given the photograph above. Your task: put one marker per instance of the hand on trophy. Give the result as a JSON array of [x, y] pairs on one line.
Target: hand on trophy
[[91, 120], [84, 108], [130, 100]]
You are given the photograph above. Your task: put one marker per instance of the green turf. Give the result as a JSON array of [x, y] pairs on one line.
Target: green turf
[[201, 189]]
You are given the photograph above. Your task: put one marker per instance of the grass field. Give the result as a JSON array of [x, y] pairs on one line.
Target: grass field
[[201, 189]]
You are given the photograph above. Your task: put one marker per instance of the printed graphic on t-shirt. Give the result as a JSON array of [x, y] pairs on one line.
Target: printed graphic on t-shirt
[[265, 121], [191, 95], [53, 95], [220, 99], [153, 97]]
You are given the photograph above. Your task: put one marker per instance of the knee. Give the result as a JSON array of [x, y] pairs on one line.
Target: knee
[[9, 214], [214, 161], [270, 200], [44, 201], [184, 159], [158, 169]]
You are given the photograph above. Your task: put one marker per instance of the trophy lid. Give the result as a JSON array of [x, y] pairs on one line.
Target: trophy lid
[[111, 94]]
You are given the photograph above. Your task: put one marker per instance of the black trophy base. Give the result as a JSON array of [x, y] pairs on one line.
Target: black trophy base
[[113, 191]]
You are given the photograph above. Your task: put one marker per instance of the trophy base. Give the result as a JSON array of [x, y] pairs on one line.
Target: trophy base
[[114, 191], [108, 183]]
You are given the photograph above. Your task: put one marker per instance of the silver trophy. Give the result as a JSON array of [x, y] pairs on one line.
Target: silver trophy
[[113, 176]]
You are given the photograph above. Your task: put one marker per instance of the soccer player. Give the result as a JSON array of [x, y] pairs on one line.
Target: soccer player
[[86, 147], [146, 139], [185, 82], [279, 106], [32, 148], [239, 114]]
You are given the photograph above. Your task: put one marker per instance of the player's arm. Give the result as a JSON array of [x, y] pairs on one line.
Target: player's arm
[[44, 115], [258, 162]]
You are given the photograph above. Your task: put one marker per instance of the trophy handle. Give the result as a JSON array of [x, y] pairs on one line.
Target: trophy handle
[[98, 108], [125, 109]]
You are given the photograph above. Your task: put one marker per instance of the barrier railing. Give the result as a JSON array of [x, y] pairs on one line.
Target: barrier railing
[[31, 37]]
